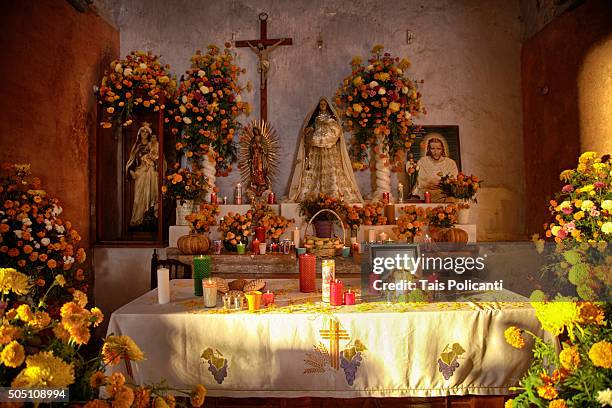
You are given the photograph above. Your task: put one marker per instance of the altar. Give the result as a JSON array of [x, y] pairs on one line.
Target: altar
[[302, 347], [291, 211]]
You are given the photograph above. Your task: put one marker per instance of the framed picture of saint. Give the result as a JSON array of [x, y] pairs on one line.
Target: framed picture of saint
[[435, 151]]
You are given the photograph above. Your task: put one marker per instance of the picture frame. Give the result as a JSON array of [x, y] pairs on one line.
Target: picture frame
[[450, 135]]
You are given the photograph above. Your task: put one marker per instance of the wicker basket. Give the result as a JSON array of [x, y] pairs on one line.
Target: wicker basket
[[325, 251]]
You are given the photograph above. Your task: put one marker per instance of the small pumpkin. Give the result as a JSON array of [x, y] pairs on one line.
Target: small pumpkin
[[452, 235], [193, 244]]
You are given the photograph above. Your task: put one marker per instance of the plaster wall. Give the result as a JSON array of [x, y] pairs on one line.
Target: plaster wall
[[468, 55]]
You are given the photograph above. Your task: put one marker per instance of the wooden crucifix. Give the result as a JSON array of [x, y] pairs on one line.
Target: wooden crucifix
[[262, 47]]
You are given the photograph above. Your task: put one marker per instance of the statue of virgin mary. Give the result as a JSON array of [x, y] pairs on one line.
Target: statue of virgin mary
[[323, 164]]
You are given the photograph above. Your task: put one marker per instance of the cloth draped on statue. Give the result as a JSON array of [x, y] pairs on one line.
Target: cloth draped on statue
[[323, 164]]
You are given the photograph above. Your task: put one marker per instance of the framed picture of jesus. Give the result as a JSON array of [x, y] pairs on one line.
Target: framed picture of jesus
[[435, 150]]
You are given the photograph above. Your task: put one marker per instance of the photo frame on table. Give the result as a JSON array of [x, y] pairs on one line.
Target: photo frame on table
[[372, 251], [450, 138]]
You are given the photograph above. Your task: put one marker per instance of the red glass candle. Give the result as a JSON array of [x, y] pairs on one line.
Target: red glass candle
[[255, 246], [271, 198], [213, 198], [385, 197], [349, 297], [260, 234], [308, 271], [268, 298], [274, 247], [427, 197], [336, 293]]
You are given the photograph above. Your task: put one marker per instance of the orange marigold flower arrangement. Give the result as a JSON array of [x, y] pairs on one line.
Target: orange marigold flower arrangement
[[410, 224], [373, 213], [34, 238], [182, 183], [138, 83], [576, 376], [377, 103], [274, 224], [235, 228], [463, 187], [206, 216], [208, 103], [442, 216]]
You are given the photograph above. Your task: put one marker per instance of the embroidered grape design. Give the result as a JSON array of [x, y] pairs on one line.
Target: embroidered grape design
[[447, 370], [350, 366], [219, 374]]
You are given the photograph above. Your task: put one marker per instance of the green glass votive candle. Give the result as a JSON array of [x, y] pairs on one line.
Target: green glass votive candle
[[241, 248], [201, 267]]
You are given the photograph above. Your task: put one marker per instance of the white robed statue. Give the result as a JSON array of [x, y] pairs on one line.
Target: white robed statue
[[142, 168], [323, 164]]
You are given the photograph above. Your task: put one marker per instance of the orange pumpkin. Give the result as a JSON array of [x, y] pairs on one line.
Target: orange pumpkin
[[454, 235], [193, 244]]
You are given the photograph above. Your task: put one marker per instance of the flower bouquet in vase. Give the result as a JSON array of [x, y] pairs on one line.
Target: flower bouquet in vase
[[462, 188], [185, 186], [235, 228]]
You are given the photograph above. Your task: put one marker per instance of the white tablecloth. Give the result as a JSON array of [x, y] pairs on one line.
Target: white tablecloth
[[308, 349]]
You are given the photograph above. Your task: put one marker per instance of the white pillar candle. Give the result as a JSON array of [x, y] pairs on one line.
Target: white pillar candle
[[383, 236], [372, 235], [210, 293], [296, 237], [163, 285]]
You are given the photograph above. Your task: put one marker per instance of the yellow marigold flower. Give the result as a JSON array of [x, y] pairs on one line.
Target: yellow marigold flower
[[61, 333], [97, 404], [41, 320], [12, 355], [547, 392], [508, 404], [570, 358], [97, 315], [124, 397], [590, 313], [25, 313], [606, 227], [60, 280], [13, 281], [601, 354], [586, 156], [116, 348], [565, 175], [80, 335], [558, 403], [97, 379], [514, 337], [9, 333], [579, 215], [555, 316], [80, 298], [197, 396], [114, 383], [44, 370]]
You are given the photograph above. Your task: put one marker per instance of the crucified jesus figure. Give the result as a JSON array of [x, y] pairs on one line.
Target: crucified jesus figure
[[263, 54]]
